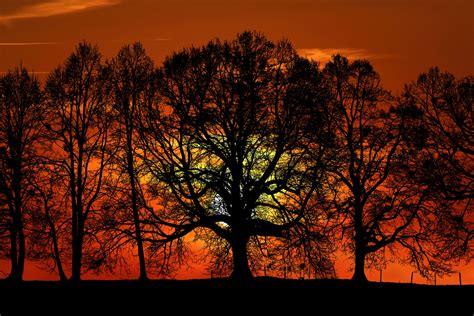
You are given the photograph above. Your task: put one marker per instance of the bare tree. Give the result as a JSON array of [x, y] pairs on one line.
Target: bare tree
[[48, 227], [446, 105], [444, 134], [20, 128], [132, 78], [225, 144], [386, 207], [366, 145], [77, 103]]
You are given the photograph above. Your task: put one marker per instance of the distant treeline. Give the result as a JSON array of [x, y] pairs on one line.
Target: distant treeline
[[273, 161]]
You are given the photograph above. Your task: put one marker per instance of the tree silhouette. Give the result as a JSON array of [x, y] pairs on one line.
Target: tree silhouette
[[77, 103], [446, 104], [131, 76], [20, 128], [376, 189], [48, 233], [366, 145], [445, 121], [270, 161], [225, 143], [378, 211]]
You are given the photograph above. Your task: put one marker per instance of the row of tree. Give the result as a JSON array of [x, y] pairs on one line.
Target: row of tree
[[270, 159]]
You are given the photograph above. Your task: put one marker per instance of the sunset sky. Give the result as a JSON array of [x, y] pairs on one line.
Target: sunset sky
[[400, 37]]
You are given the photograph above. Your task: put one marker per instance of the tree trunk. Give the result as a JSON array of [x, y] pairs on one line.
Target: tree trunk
[[76, 263], [18, 244], [241, 269], [59, 265], [57, 258], [77, 254], [136, 216], [54, 237], [17, 251], [13, 254], [21, 250], [138, 236], [77, 190], [359, 269]]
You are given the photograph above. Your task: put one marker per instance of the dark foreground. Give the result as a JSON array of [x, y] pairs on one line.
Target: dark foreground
[[262, 296]]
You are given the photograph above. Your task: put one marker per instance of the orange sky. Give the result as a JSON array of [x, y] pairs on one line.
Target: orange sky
[[400, 37], [393, 273]]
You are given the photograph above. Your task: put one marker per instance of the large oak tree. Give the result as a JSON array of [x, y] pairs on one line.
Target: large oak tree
[[226, 145]]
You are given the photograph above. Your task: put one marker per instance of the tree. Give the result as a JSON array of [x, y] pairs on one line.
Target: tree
[[79, 123], [225, 144], [131, 76], [366, 146], [446, 105], [20, 128], [48, 224], [387, 207], [445, 122]]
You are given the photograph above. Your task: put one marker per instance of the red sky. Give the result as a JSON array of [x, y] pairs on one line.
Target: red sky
[[400, 37], [393, 273]]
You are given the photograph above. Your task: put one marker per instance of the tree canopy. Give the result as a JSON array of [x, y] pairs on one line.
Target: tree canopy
[[273, 161]]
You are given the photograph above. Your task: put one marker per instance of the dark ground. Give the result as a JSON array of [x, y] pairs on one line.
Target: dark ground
[[262, 296]]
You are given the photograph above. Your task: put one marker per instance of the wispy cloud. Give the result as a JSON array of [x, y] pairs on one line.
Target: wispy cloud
[[55, 7], [26, 43], [323, 55]]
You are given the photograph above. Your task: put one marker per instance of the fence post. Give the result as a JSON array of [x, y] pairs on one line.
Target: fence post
[[380, 276], [460, 279], [435, 279], [411, 279]]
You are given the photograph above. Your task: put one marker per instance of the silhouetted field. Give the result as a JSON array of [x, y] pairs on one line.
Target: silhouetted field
[[262, 296]]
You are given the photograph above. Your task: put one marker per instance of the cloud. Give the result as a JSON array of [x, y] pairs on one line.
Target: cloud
[[26, 43], [55, 7], [323, 55]]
